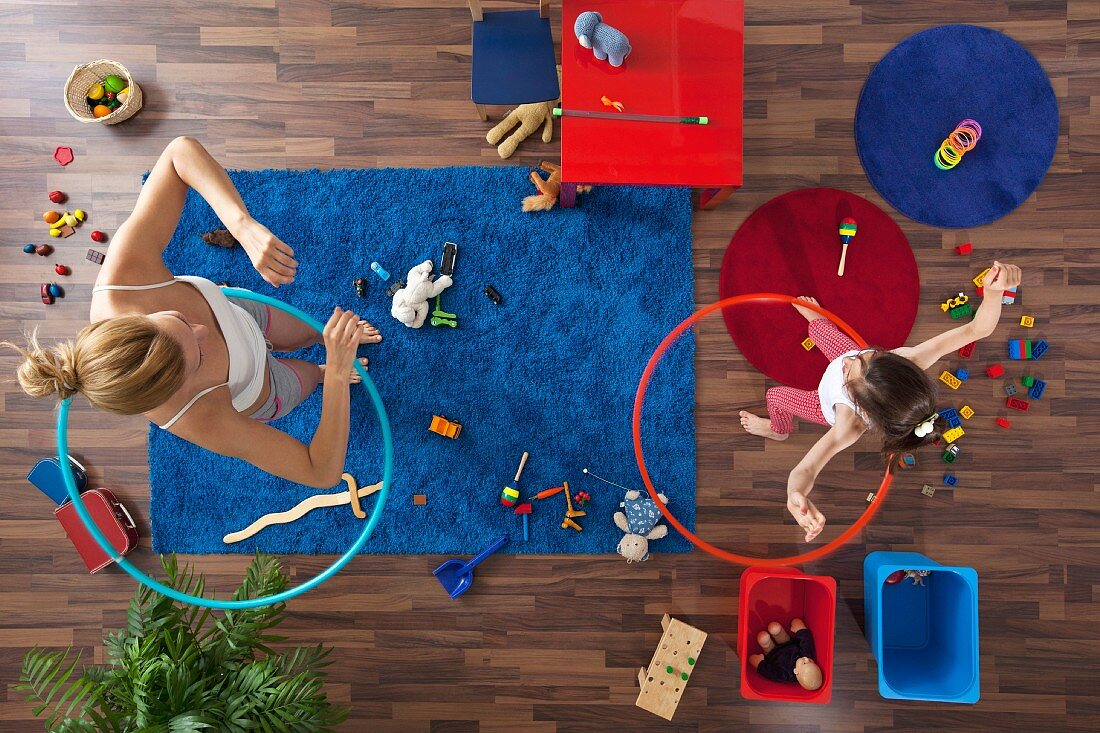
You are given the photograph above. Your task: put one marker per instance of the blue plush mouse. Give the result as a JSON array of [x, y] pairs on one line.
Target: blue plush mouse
[[639, 520], [607, 43]]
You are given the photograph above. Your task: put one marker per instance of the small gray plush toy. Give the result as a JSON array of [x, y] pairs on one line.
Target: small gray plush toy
[[607, 43], [639, 520]]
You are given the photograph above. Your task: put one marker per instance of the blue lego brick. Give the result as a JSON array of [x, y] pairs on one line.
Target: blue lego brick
[[950, 480], [962, 375], [1039, 348], [1037, 389], [954, 421]]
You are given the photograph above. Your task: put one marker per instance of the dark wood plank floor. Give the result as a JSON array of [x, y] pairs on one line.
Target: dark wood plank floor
[[551, 644]]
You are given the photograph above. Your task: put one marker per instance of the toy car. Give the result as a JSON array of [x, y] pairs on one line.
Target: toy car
[[446, 428]]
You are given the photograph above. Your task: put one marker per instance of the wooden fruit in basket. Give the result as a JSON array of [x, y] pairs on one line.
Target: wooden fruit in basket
[[87, 88]]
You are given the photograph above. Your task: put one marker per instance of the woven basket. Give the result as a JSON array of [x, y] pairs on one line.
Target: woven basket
[[94, 72]]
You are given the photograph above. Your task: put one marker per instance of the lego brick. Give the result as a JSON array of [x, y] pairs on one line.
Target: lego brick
[[1027, 321], [948, 413], [994, 370], [966, 412], [1039, 349], [961, 312], [953, 434], [954, 421], [950, 480], [870, 497], [928, 490], [420, 499], [1010, 389], [1019, 349], [1037, 389], [948, 457], [980, 279], [1016, 404], [950, 380], [1003, 422], [962, 375], [967, 351], [808, 343], [964, 249], [1027, 381], [1009, 296], [955, 301]]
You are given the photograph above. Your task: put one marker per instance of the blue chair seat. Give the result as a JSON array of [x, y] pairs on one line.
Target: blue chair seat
[[513, 59]]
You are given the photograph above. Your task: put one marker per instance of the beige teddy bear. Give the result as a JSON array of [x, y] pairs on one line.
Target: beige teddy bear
[[529, 117]]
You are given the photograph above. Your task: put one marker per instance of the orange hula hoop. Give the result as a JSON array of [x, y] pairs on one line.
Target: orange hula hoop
[[639, 400]]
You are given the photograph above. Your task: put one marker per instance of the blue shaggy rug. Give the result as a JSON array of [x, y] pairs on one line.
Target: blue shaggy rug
[[588, 293]]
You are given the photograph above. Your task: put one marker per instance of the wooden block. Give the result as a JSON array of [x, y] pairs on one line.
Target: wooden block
[[950, 380], [928, 490], [661, 691], [66, 231], [420, 499]]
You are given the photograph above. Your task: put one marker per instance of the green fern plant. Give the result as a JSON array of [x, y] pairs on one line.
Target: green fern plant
[[178, 667]]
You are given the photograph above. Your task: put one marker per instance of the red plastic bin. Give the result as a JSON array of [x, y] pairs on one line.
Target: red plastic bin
[[782, 594]]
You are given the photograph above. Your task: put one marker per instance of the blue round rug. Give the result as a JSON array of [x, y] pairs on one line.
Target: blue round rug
[[922, 89]]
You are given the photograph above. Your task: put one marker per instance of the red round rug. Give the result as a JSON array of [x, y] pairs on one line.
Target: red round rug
[[791, 245]]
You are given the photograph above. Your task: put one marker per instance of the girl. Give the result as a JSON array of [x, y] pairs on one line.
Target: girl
[[870, 388], [178, 351]]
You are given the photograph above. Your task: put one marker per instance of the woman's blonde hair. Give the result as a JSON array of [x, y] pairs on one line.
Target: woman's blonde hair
[[124, 365]]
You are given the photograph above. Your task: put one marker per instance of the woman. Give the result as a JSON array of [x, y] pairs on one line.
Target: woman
[[194, 362]]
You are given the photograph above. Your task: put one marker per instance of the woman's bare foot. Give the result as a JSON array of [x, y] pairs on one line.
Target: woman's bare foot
[[355, 378], [809, 315], [370, 334], [759, 426]]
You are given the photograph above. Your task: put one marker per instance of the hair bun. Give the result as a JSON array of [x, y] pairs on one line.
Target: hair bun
[[47, 371]]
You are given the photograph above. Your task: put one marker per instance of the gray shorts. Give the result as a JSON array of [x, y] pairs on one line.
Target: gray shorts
[[286, 386]]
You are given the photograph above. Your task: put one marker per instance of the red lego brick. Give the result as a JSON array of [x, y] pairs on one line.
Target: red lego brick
[[1016, 404], [967, 351], [964, 249], [1004, 423], [994, 370]]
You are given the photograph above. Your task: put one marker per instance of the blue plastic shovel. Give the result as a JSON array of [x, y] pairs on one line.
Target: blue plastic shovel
[[457, 576]]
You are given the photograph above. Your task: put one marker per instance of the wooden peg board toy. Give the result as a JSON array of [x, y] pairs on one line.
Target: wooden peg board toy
[[678, 650]]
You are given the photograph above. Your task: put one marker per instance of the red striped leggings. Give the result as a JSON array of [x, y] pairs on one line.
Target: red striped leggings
[[786, 403]]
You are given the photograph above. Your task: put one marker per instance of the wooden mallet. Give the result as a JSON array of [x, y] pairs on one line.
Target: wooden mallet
[[510, 495]]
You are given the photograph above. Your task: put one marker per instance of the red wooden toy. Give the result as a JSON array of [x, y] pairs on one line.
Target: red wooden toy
[[98, 236], [61, 269], [47, 297], [58, 197]]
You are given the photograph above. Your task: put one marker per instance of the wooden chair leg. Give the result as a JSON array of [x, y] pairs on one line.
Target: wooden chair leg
[[481, 112], [710, 198], [567, 198]]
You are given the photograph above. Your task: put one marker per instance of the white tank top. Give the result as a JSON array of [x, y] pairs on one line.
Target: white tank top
[[243, 338], [831, 390]]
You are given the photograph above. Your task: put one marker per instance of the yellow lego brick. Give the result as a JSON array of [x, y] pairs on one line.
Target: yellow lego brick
[[950, 380], [966, 412], [808, 344], [953, 434], [980, 279], [1027, 321]]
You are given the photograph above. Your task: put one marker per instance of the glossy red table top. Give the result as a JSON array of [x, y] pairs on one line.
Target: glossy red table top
[[687, 59]]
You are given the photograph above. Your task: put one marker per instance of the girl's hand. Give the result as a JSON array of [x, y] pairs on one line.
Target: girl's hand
[[1001, 277], [341, 336], [272, 257], [806, 514]]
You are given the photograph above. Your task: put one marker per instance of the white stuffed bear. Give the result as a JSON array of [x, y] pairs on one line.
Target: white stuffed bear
[[410, 303], [639, 520]]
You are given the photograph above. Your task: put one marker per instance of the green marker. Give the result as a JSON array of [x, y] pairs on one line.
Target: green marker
[[559, 112]]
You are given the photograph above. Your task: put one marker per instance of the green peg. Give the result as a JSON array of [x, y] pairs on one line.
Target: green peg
[[668, 669], [684, 675], [691, 661]]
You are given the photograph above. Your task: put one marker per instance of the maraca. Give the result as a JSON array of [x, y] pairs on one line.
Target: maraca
[[847, 231]]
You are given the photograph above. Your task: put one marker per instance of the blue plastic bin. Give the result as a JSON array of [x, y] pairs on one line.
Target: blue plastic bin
[[924, 638]]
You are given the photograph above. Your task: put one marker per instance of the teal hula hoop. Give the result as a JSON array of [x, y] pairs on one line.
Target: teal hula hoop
[[142, 578]]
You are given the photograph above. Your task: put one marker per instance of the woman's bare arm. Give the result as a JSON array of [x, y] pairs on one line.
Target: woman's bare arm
[[137, 248]]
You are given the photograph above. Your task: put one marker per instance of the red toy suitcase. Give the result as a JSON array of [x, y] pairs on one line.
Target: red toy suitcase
[[110, 517]]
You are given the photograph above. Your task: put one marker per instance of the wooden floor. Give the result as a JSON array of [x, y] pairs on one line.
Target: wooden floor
[[552, 644]]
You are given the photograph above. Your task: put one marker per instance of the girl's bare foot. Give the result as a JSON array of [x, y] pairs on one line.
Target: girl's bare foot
[[809, 315], [355, 378], [369, 334], [759, 426]]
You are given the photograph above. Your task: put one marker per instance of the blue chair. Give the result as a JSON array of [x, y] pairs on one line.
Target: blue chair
[[513, 57]]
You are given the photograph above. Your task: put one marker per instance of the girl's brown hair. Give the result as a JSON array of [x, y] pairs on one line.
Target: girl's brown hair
[[897, 396], [124, 365]]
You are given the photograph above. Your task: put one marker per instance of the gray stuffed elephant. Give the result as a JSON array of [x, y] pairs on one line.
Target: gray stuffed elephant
[[607, 43]]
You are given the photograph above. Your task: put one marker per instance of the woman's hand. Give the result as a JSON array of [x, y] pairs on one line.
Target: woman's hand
[[272, 257], [1000, 278], [806, 514], [341, 336]]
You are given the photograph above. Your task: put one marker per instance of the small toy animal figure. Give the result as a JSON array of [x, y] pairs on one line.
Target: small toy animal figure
[[917, 576], [529, 117], [410, 303], [639, 520], [549, 189], [607, 43]]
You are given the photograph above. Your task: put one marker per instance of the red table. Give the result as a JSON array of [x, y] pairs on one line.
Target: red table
[[687, 59]]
